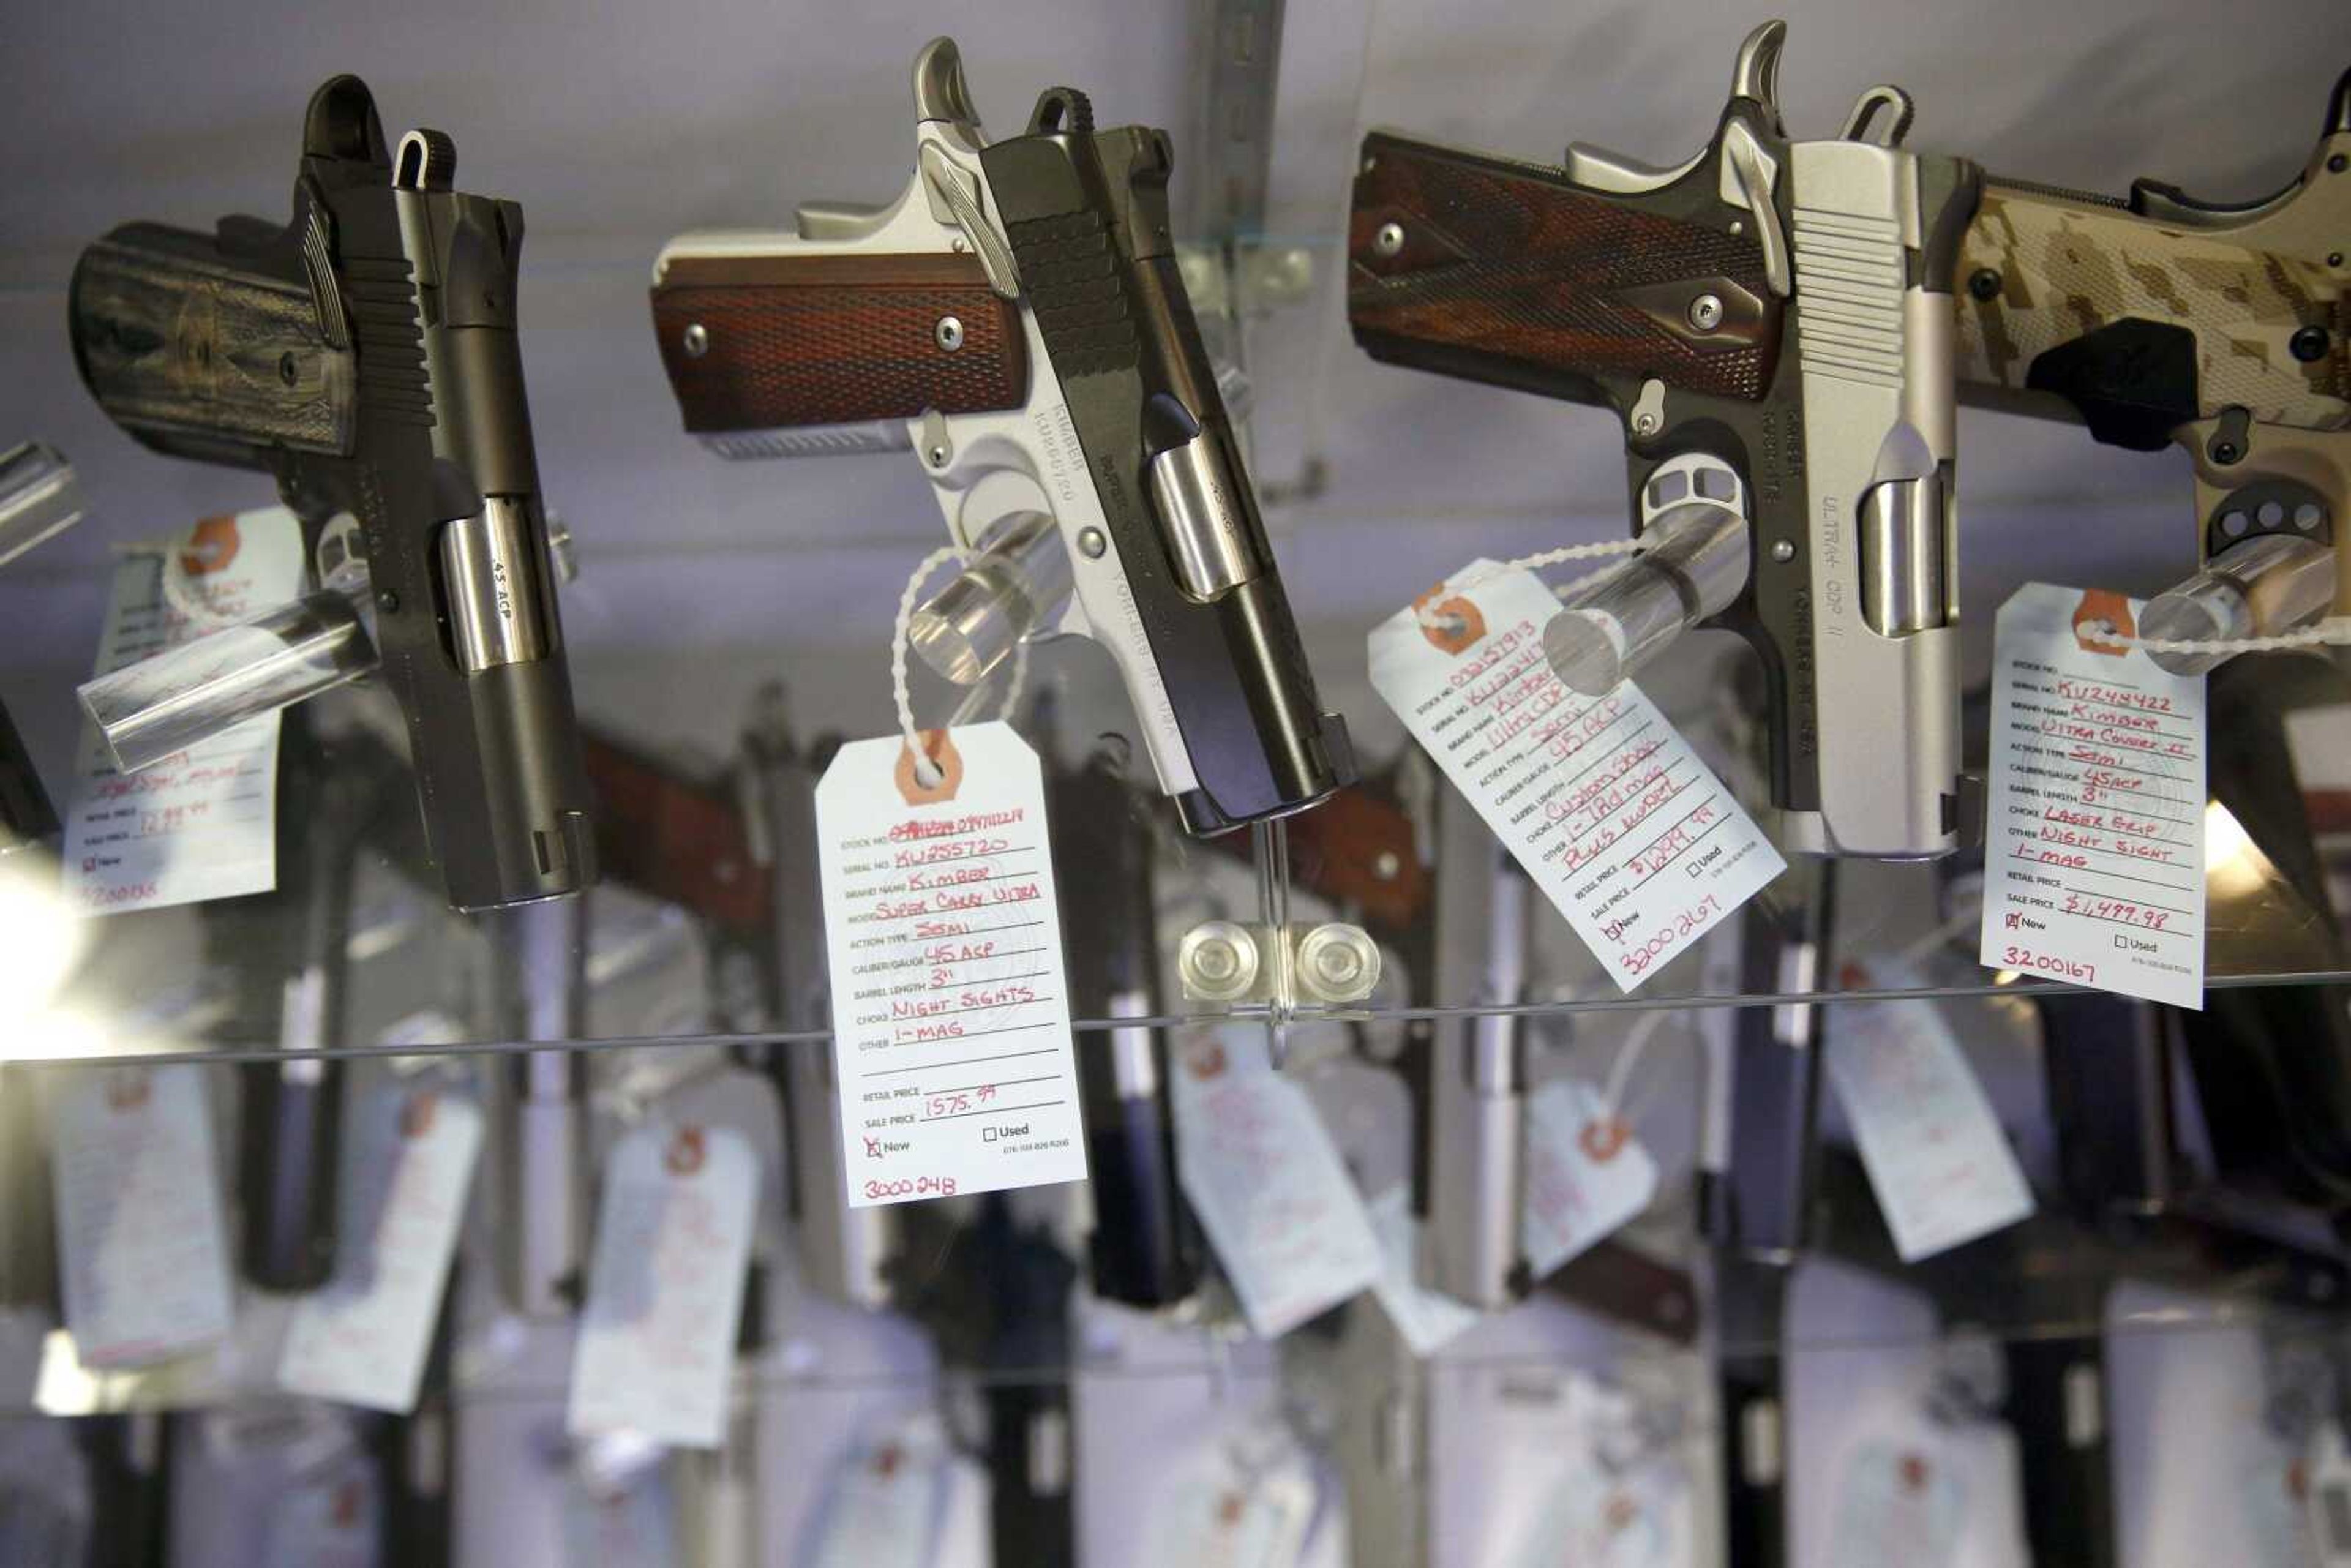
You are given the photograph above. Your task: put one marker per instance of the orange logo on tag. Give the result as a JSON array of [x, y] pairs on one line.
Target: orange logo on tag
[[126, 1089], [417, 1112], [1620, 1513], [887, 1460], [1207, 1063], [686, 1152], [344, 1511], [1601, 1140], [211, 545], [1913, 1473], [1230, 1509], [939, 746], [1457, 624], [2103, 609]]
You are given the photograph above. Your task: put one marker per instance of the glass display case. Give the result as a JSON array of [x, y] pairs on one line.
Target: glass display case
[[340, 1223]]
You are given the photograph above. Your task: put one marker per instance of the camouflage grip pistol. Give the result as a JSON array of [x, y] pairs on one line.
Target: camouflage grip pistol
[[2158, 319], [1016, 318], [366, 355], [1771, 321]]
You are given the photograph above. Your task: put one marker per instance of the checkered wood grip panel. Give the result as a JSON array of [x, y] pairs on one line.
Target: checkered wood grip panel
[[834, 339]]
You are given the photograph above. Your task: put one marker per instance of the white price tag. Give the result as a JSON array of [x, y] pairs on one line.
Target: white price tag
[[666, 1286], [410, 1150], [951, 1018], [1937, 1158], [1600, 799], [1224, 1518], [141, 1248], [329, 1519], [1586, 1175], [1596, 1519], [201, 824], [2093, 842], [1262, 1174], [1898, 1502], [1426, 1317], [887, 1502]]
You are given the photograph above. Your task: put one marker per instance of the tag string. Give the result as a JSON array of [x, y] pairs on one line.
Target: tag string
[[1428, 614], [1628, 1056], [926, 772], [2334, 630]]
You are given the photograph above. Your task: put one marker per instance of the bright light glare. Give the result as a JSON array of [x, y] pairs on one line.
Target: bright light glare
[[2234, 865], [41, 940]]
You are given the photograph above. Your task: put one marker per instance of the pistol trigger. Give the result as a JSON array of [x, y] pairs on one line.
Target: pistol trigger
[[1870, 109], [956, 192]]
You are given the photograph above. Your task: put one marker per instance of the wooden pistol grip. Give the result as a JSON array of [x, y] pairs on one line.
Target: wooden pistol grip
[[764, 342], [1503, 272]]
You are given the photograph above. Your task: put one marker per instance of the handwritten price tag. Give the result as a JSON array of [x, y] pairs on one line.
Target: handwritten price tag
[[1937, 1158], [666, 1286], [200, 824], [139, 1236], [951, 1018], [362, 1340], [1898, 1502], [1267, 1182], [1586, 1175], [1600, 799], [2093, 842]]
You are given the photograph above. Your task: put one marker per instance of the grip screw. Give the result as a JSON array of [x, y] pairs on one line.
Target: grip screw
[[949, 333], [2336, 164], [2333, 258], [1783, 551], [388, 601], [697, 342], [2308, 345], [1984, 284], [1705, 312], [1644, 423], [1090, 543], [1389, 240], [287, 370]]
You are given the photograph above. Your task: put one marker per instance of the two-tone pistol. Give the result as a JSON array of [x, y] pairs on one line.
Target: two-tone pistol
[[2158, 319], [366, 355], [1016, 318], [1772, 319]]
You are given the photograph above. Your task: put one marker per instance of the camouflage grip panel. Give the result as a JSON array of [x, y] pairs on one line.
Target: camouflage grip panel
[[763, 342], [1504, 272], [2043, 274], [193, 352]]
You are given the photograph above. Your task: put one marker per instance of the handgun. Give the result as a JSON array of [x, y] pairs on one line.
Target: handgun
[[1757, 1195], [1016, 318], [365, 355], [1146, 1248], [38, 498], [737, 851], [533, 986], [289, 950], [1771, 321], [994, 1291], [2157, 319]]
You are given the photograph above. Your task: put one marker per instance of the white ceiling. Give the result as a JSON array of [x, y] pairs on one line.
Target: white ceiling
[[617, 126]]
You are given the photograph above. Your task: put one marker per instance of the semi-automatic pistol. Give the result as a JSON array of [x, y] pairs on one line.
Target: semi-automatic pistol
[[1772, 319], [1016, 318], [365, 354], [2157, 318]]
